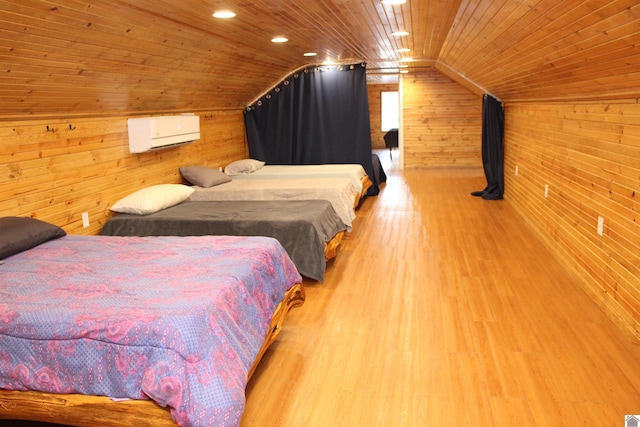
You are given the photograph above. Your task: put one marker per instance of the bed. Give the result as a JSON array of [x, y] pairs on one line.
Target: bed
[[338, 191], [162, 322], [309, 230], [353, 172]]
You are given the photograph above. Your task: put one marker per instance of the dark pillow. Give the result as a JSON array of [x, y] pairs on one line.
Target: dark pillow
[[243, 166], [203, 176], [18, 234]]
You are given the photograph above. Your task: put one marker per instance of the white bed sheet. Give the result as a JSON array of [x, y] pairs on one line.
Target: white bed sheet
[[352, 172]]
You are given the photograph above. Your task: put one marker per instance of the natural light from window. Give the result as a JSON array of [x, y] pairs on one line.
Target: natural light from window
[[389, 111]]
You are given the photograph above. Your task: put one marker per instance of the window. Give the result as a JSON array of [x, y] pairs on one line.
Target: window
[[389, 111]]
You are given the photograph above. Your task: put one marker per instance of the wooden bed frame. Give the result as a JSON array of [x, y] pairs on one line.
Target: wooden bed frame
[[82, 410], [331, 247], [366, 184]]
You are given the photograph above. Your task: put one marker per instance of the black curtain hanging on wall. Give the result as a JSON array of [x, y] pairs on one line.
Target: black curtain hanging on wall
[[492, 148], [317, 115]]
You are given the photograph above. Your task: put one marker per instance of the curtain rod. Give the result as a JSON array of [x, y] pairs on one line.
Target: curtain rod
[[436, 62], [311, 64], [462, 76]]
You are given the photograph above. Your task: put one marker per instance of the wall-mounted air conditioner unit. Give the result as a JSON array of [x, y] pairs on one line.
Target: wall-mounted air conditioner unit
[[154, 133]]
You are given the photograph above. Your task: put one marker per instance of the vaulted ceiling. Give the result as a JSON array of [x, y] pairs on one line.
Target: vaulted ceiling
[[75, 57]]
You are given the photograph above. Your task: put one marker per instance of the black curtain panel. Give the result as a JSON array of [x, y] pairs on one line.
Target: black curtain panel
[[492, 148], [315, 116]]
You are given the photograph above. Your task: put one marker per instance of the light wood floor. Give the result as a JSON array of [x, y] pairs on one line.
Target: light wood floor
[[442, 309]]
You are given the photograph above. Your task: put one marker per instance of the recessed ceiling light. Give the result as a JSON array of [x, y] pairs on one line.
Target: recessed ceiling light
[[223, 14], [279, 39], [310, 54], [393, 2], [400, 33], [406, 60], [404, 49]]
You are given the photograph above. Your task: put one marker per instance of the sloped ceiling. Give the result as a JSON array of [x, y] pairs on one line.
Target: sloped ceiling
[[74, 57]]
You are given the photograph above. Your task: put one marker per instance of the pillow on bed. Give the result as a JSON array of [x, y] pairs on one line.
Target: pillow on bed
[[153, 199], [243, 166], [203, 176], [18, 234]]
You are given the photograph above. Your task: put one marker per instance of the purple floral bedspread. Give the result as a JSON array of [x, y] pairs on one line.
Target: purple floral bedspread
[[178, 320]]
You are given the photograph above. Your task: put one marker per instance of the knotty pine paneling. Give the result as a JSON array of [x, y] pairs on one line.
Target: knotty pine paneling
[[442, 122], [110, 58], [56, 169], [72, 57], [589, 156], [547, 50], [375, 107]]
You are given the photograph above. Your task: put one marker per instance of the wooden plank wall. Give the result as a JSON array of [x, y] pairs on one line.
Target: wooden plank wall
[[56, 169], [374, 90], [588, 153], [546, 49], [442, 122]]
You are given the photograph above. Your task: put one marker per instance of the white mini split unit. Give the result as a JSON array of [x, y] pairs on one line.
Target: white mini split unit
[[154, 133]]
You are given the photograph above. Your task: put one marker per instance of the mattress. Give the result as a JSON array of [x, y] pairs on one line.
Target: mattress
[[303, 227], [338, 191], [353, 172], [178, 320]]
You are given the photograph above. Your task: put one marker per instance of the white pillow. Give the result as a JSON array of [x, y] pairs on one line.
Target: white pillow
[[243, 166], [153, 199]]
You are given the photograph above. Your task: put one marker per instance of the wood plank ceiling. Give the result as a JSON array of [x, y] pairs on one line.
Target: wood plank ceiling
[[74, 57]]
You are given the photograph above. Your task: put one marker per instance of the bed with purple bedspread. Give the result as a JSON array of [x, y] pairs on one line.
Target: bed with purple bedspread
[[178, 320]]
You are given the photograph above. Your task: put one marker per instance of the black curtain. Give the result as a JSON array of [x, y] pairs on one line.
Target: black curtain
[[492, 148], [315, 116]]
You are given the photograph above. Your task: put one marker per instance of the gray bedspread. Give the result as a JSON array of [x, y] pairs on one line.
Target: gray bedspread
[[301, 226]]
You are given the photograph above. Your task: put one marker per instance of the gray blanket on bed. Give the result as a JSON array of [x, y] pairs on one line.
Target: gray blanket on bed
[[301, 226]]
